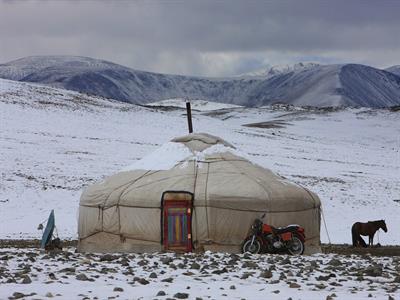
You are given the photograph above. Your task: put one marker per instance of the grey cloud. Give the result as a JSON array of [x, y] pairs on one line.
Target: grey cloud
[[203, 37]]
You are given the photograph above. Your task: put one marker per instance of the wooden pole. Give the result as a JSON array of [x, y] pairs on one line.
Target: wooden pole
[[189, 116]]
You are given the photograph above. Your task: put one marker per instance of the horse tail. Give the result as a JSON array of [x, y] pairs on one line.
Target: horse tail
[[354, 235]]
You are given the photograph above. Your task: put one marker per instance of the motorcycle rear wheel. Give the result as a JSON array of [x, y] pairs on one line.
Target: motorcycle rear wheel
[[296, 246], [251, 247]]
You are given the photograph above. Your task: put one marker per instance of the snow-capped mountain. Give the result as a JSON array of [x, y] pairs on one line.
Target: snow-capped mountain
[[20, 68], [279, 69], [394, 69], [331, 85], [301, 84]]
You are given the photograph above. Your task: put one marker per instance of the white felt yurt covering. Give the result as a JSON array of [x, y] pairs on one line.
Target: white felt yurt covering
[[123, 213]]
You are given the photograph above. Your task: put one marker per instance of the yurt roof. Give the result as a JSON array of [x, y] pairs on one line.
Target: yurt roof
[[207, 166]]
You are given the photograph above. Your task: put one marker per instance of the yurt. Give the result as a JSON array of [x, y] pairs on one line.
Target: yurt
[[195, 193]]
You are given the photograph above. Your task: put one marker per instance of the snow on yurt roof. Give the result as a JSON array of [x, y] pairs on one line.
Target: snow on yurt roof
[[192, 147]]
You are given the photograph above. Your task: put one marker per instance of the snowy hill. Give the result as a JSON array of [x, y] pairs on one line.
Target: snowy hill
[[54, 142], [21, 68], [301, 84], [279, 69], [330, 85], [200, 105], [394, 69]]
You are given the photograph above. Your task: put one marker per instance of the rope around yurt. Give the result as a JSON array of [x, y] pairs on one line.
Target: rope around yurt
[[326, 228]]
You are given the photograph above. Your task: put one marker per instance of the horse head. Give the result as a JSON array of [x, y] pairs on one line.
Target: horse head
[[382, 225]]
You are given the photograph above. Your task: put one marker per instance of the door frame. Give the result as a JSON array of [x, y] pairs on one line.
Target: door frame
[[190, 244]]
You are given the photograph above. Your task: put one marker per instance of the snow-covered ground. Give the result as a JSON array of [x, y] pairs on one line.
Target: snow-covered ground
[[55, 142], [201, 105], [33, 275]]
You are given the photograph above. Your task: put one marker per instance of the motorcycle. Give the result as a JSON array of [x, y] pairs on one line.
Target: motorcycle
[[266, 238]]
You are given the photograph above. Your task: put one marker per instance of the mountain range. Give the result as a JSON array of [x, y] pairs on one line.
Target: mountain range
[[304, 84]]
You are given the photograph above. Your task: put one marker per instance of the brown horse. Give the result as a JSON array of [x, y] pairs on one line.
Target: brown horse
[[366, 229]]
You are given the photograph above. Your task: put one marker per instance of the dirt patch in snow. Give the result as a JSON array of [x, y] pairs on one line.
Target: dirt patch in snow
[[12, 243], [268, 124], [343, 249], [369, 251]]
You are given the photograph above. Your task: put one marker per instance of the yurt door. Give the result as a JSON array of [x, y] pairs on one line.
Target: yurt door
[[176, 219]]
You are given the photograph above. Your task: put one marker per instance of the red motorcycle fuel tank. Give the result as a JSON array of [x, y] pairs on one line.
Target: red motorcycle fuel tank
[[267, 228]]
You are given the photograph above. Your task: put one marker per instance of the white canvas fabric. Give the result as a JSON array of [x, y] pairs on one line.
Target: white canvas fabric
[[123, 213]]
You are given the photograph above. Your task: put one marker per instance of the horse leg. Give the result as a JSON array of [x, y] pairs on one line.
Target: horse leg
[[354, 238], [361, 242], [371, 237]]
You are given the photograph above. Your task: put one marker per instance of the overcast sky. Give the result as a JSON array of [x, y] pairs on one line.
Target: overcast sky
[[210, 38]]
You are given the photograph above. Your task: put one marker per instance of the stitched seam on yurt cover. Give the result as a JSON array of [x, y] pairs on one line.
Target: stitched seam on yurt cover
[[210, 206], [206, 200], [123, 205], [194, 213], [118, 234], [160, 180], [134, 181], [262, 187], [119, 199], [127, 183], [308, 192], [256, 210]]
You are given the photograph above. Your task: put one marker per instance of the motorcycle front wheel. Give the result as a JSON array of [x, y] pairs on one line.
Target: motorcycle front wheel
[[251, 246], [296, 246]]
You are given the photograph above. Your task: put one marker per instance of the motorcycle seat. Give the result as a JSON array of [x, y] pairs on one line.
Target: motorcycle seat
[[290, 228]]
